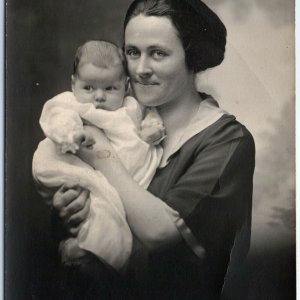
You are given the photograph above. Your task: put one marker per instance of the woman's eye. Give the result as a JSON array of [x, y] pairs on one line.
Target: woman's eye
[[132, 53], [158, 54], [88, 88]]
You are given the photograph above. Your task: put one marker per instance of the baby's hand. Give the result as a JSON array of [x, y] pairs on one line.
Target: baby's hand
[[152, 130], [84, 139], [75, 141], [152, 134]]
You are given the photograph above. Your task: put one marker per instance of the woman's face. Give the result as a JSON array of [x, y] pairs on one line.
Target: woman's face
[[156, 60]]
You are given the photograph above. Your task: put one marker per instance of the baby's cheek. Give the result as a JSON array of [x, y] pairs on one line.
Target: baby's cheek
[[117, 101], [84, 98]]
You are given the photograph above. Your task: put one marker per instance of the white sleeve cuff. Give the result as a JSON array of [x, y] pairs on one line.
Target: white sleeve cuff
[[185, 232]]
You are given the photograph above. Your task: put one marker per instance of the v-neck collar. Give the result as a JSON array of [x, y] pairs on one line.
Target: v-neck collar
[[208, 113]]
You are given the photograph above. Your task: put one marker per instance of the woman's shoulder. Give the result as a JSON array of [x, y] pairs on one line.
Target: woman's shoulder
[[227, 127], [225, 130], [224, 141]]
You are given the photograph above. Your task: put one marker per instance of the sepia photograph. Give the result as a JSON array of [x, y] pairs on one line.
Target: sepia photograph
[[150, 150]]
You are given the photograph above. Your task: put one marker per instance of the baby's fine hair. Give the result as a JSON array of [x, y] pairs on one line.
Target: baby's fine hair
[[102, 54]]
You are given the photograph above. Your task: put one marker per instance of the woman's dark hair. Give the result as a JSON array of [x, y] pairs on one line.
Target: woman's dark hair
[[202, 33]]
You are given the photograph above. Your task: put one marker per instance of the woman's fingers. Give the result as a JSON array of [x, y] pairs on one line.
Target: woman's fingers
[[78, 206], [72, 204], [81, 215], [76, 213], [74, 231], [76, 220], [78, 203], [64, 196]]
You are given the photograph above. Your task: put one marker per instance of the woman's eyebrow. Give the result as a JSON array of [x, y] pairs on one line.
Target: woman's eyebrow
[[130, 46], [159, 46], [150, 47]]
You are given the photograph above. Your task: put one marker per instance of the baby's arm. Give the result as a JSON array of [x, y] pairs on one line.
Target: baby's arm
[[127, 123], [122, 128], [60, 121]]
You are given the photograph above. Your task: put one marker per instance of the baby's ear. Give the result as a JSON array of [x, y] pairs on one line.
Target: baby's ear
[[127, 84], [72, 82], [127, 87]]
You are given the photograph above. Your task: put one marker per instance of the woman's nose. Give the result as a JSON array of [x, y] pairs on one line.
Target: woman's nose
[[143, 68]]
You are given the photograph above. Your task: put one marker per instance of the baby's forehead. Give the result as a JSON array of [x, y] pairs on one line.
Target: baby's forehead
[[88, 71], [101, 54], [103, 62]]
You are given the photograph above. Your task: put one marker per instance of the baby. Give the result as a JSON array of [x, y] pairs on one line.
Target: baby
[[99, 85]]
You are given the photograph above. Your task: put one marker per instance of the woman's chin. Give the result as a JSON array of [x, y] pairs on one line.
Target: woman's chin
[[148, 101], [147, 96]]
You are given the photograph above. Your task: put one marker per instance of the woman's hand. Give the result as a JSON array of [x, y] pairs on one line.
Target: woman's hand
[[72, 204]]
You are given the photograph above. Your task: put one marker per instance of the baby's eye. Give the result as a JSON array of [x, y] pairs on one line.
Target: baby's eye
[[158, 54], [88, 88], [132, 53], [111, 88]]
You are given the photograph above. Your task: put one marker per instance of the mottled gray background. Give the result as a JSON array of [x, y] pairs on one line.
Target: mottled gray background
[[255, 82]]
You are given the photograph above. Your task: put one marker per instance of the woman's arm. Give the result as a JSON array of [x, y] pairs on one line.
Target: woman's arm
[[146, 214]]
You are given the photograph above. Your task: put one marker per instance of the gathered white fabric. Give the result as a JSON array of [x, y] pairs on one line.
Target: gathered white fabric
[[105, 233], [63, 116]]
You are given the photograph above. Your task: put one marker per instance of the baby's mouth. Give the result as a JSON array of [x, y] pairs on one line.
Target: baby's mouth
[[99, 105]]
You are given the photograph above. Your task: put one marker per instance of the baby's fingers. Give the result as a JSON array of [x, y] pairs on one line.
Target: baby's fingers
[[88, 142], [79, 138]]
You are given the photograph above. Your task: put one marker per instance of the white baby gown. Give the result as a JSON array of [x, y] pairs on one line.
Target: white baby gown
[[105, 233]]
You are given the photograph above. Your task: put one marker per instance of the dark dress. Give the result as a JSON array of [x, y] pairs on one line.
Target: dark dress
[[209, 182]]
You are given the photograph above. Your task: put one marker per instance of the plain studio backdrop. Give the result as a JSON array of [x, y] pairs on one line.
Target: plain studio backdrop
[[255, 83]]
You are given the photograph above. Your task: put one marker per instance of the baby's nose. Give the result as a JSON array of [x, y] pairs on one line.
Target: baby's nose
[[99, 96]]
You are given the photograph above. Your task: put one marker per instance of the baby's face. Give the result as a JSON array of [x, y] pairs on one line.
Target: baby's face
[[105, 88]]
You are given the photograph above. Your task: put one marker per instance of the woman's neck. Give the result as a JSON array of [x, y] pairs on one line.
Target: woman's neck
[[177, 114]]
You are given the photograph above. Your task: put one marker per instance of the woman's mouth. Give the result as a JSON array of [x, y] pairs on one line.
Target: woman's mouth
[[146, 83]]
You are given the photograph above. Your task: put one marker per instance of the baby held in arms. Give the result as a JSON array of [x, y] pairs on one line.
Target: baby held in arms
[[98, 98]]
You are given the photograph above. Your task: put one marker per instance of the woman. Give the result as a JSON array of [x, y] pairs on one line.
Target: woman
[[194, 220]]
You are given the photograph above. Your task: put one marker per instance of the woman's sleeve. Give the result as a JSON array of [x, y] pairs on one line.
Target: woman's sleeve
[[214, 195]]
